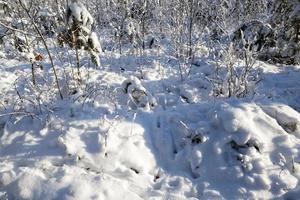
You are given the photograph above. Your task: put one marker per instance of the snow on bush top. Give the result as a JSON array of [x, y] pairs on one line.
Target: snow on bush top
[[137, 92], [79, 33], [78, 12]]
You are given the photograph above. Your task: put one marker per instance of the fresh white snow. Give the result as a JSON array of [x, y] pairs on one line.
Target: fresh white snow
[[123, 137]]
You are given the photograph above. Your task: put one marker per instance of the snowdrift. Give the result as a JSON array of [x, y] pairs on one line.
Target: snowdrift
[[208, 151]]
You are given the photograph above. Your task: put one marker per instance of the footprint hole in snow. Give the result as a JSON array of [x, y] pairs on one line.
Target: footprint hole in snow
[[156, 177], [239, 154], [186, 99], [134, 170], [174, 183], [158, 124], [197, 138], [243, 148]]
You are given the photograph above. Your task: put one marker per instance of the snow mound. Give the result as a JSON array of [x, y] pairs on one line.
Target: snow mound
[[236, 147], [79, 13], [137, 93], [85, 160], [192, 151], [286, 116], [104, 143]]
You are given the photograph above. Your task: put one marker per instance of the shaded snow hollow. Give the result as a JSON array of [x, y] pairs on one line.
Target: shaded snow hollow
[[169, 149]]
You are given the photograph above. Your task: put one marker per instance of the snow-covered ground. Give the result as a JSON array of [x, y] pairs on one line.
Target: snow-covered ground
[[149, 135]]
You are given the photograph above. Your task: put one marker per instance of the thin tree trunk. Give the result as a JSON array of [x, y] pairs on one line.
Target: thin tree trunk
[[78, 62], [191, 27], [32, 72], [32, 62]]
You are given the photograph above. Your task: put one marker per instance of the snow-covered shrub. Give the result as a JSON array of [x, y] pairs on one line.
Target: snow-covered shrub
[[79, 33], [254, 35], [277, 39], [47, 20], [20, 44], [142, 12], [130, 21], [132, 30], [137, 93], [285, 20], [5, 7], [235, 77], [36, 99], [272, 42]]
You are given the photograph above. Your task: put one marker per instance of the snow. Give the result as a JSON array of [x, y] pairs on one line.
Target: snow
[[80, 13], [95, 42], [142, 133]]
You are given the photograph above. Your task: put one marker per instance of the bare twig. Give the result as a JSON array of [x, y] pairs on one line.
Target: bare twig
[[17, 30], [24, 113], [45, 44]]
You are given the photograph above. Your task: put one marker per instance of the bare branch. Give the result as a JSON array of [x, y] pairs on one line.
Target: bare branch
[[17, 30]]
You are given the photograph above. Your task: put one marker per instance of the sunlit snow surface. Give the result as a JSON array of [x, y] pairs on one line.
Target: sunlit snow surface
[[184, 144]]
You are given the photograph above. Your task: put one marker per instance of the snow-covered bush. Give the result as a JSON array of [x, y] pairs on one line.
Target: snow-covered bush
[[235, 77], [47, 20], [79, 33], [137, 93], [132, 30], [5, 7], [276, 39], [254, 35], [285, 20]]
